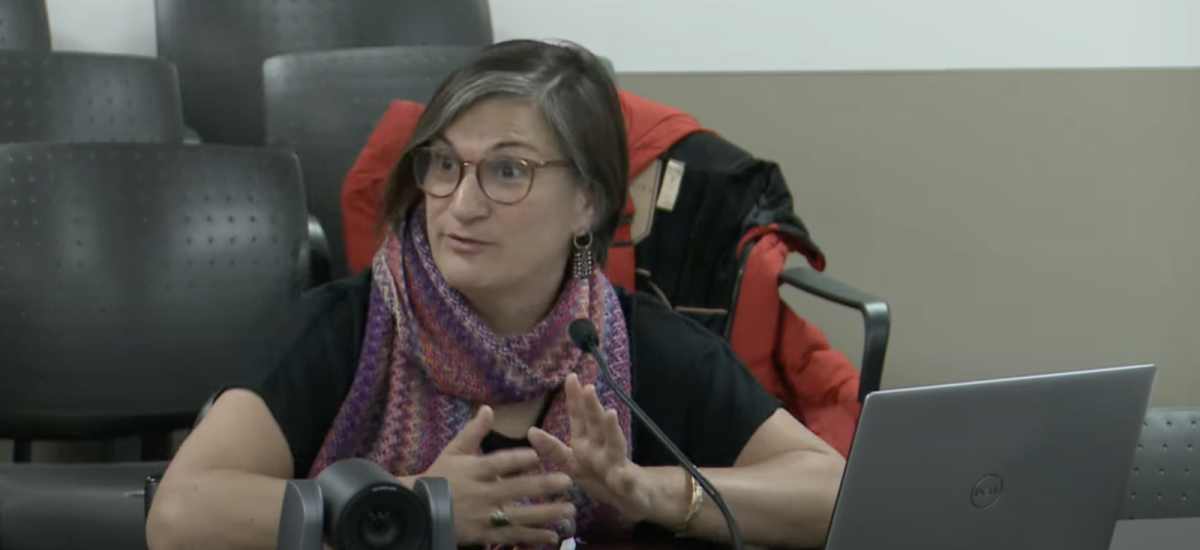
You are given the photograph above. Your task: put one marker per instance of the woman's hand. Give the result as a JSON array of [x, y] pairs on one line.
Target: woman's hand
[[596, 458], [481, 485]]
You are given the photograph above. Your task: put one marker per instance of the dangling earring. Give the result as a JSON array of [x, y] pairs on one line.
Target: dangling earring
[[583, 255]]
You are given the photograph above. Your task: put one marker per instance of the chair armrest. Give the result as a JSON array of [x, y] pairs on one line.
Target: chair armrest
[[877, 319], [320, 259]]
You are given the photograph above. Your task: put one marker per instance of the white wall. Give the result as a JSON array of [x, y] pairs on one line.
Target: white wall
[[785, 35], [106, 26]]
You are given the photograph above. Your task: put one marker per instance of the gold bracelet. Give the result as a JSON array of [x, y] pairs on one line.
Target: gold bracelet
[[693, 506]]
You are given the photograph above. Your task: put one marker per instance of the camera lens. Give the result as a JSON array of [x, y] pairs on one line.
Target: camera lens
[[382, 518], [379, 529], [366, 509]]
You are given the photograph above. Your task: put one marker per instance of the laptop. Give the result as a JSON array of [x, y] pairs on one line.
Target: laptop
[[1029, 463]]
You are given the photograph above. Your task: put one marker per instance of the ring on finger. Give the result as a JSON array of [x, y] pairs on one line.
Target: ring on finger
[[499, 518]]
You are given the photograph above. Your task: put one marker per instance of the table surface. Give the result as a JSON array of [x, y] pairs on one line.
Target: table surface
[[1146, 534]]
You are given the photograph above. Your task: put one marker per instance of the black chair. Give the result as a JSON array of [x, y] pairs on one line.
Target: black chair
[[24, 25], [82, 97], [131, 277], [219, 46], [876, 315], [1165, 482], [323, 105], [126, 269], [69, 507]]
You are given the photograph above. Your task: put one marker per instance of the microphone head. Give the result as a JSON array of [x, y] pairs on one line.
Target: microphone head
[[583, 333]]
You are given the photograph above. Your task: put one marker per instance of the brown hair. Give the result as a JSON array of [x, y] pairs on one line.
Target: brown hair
[[573, 91]]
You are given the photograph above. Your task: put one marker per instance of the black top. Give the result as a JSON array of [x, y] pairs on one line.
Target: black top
[[684, 377]]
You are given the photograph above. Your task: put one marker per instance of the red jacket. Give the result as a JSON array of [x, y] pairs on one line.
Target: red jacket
[[789, 356]]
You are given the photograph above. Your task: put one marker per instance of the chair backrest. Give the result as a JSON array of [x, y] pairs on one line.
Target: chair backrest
[[323, 105], [1165, 482], [82, 97], [24, 25], [219, 46], [131, 275]]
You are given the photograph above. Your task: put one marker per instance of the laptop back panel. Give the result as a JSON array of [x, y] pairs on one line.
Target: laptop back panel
[[1036, 462]]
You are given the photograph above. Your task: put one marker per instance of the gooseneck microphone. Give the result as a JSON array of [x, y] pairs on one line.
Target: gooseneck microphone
[[583, 333]]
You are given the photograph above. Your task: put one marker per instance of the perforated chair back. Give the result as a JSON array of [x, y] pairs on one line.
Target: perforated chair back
[[219, 46], [82, 97], [323, 105], [1165, 482], [132, 275], [24, 25]]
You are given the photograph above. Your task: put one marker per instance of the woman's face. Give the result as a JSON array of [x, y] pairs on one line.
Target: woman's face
[[482, 246]]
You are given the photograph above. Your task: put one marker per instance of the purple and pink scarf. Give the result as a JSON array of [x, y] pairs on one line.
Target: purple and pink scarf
[[428, 361]]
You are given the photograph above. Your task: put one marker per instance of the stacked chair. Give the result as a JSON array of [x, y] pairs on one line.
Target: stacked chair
[[136, 265], [1165, 482], [133, 276], [26, 26], [220, 45], [79, 97]]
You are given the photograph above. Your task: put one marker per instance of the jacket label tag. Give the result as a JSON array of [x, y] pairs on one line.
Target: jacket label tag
[[669, 191]]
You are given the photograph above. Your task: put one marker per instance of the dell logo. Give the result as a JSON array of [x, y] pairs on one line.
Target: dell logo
[[987, 491]]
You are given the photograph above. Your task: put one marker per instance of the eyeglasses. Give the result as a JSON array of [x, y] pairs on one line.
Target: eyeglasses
[[506, 180]]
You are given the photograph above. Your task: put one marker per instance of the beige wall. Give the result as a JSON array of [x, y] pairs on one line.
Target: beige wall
[[1017, 221]]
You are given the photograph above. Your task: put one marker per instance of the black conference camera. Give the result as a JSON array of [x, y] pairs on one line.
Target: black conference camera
[[355, 504]]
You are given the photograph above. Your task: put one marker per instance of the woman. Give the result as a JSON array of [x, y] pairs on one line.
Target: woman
[[450, 357]]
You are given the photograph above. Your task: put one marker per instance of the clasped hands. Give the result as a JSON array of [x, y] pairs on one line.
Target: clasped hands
[[487, 489]]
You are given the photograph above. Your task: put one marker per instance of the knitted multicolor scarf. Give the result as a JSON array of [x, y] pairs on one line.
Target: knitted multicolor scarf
[[427, 362]]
